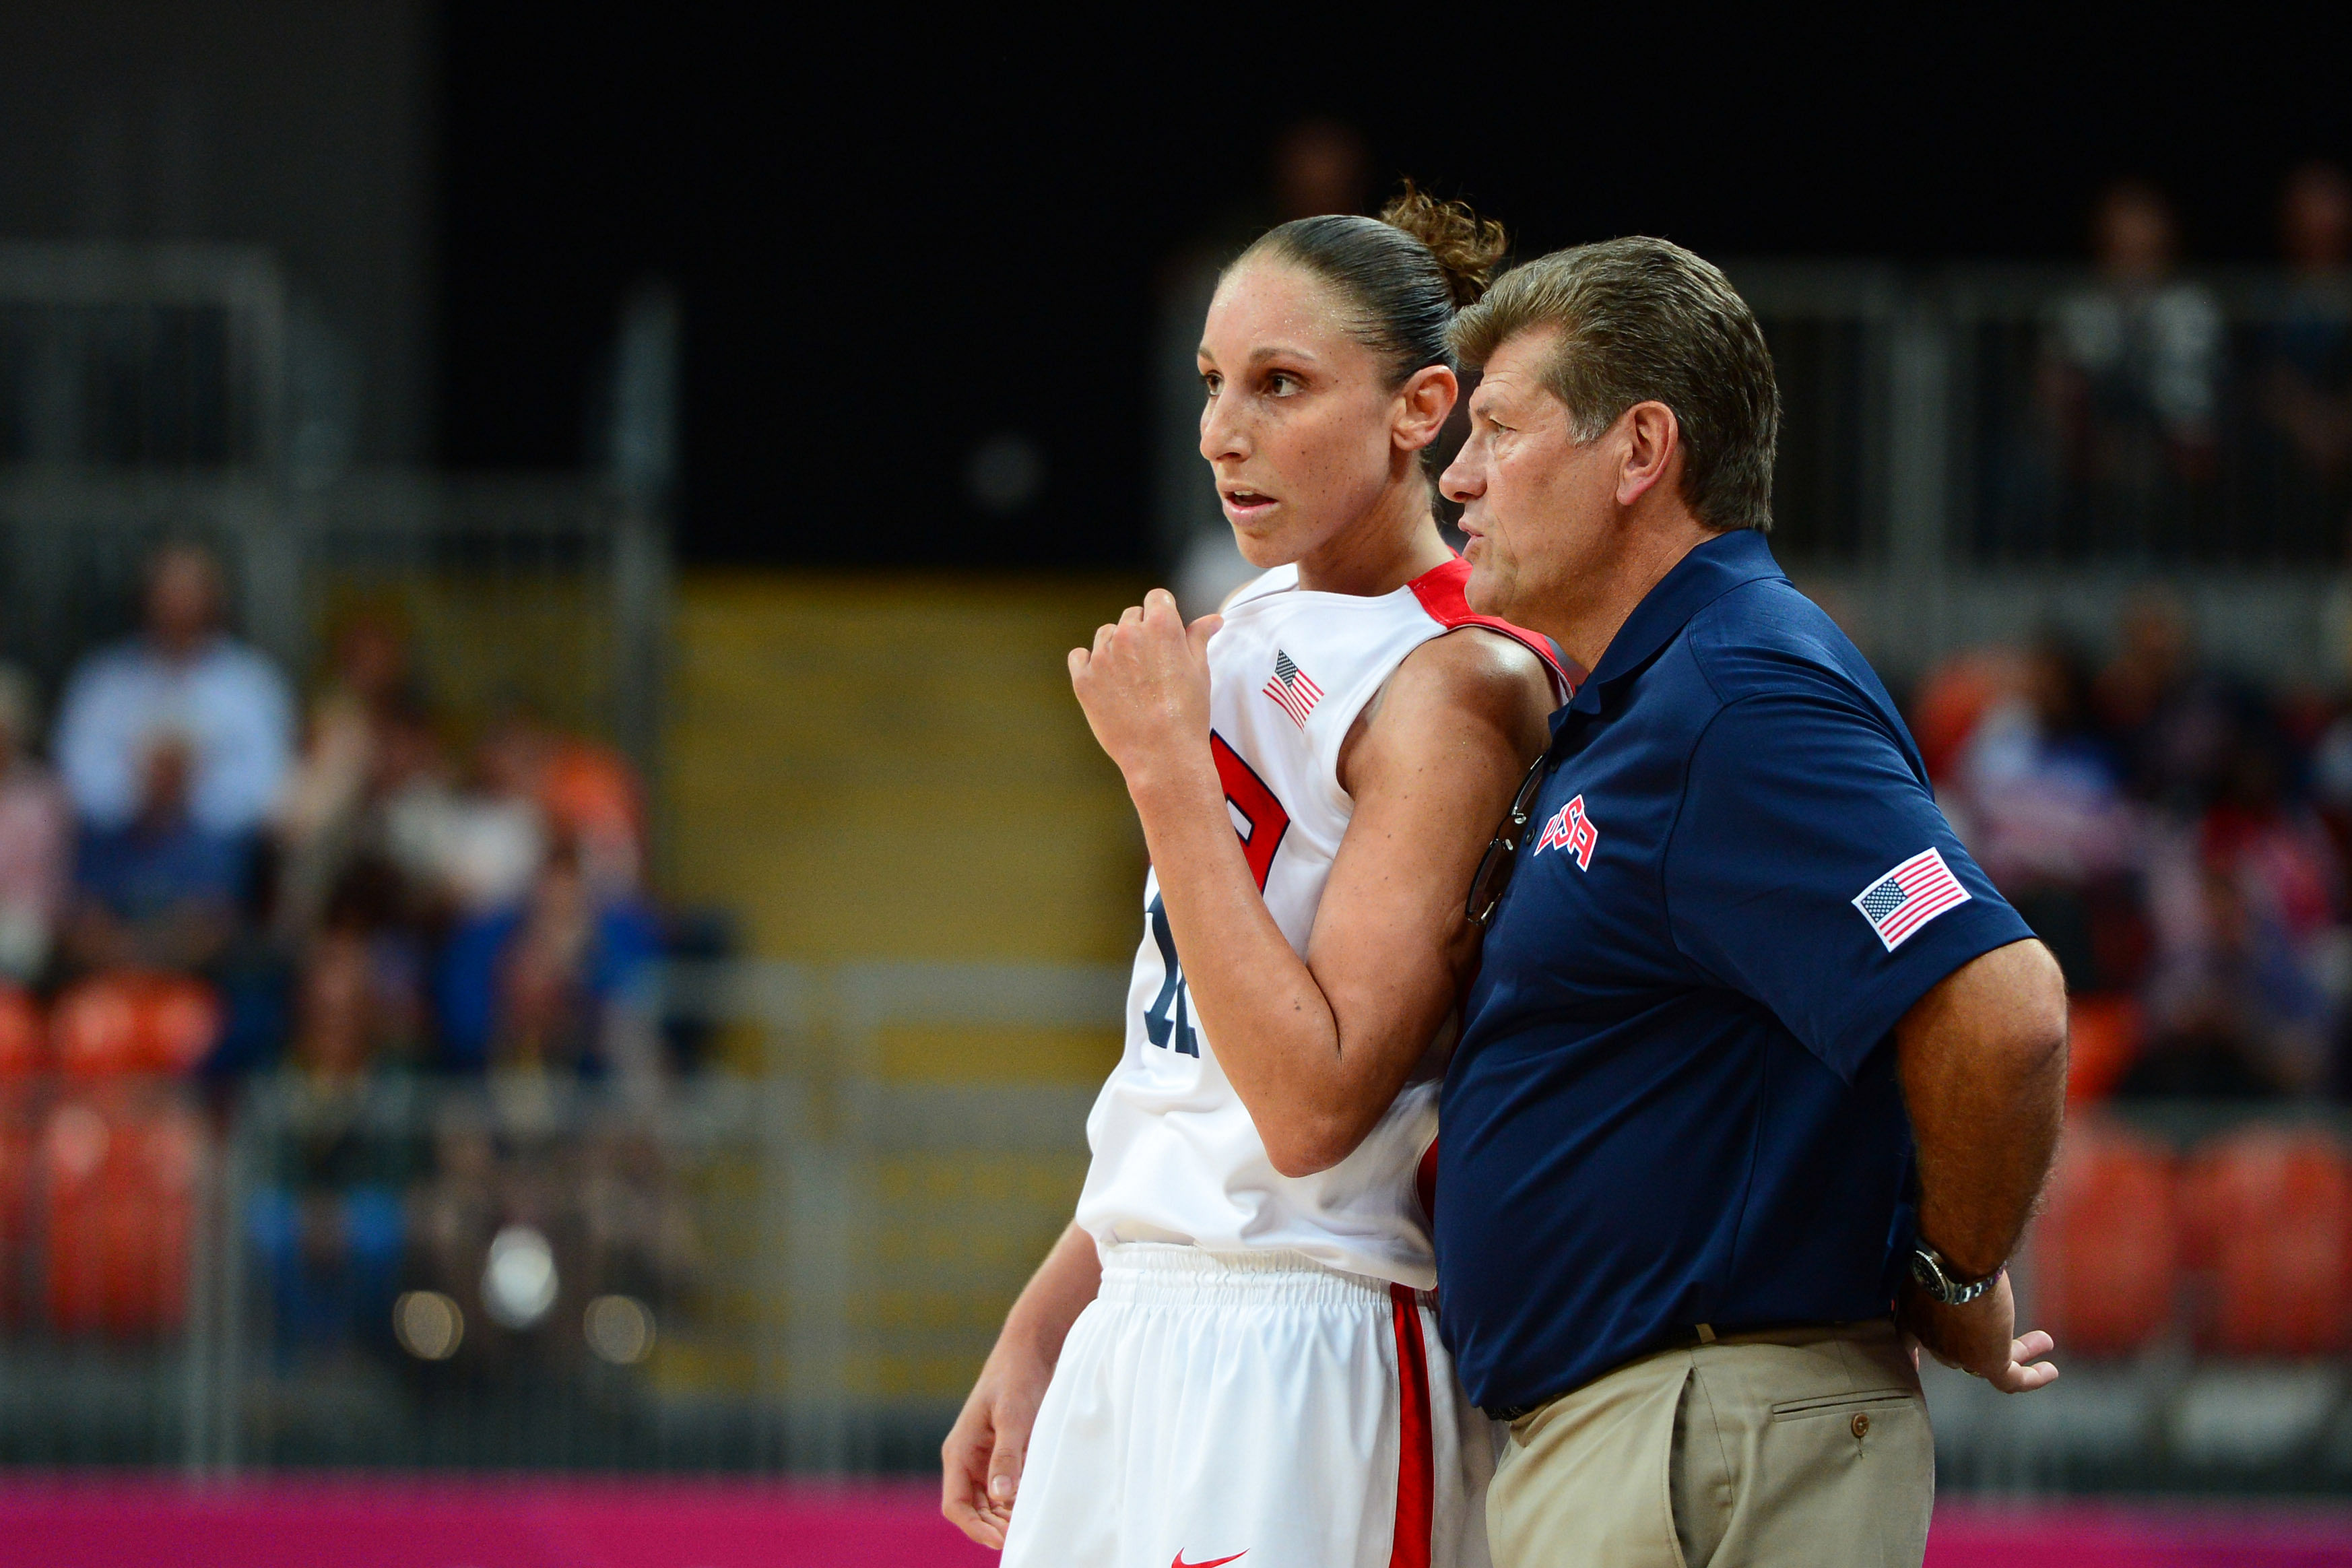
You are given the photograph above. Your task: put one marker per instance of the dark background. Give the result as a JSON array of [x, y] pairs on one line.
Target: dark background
[[895, 238]]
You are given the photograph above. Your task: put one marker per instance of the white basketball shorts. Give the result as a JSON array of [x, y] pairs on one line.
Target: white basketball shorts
[[1251, 1406]]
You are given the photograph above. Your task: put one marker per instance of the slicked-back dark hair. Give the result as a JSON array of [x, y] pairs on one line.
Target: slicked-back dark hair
[[1403, 273]]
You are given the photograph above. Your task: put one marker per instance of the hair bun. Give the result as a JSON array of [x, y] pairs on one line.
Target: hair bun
[[1466, 246]]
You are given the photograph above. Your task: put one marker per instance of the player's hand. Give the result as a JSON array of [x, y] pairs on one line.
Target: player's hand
[[1144, 685], [1981, 1338], [981, 1461]]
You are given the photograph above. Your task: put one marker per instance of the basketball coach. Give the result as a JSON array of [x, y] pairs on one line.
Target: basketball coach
[[1761, 1074]]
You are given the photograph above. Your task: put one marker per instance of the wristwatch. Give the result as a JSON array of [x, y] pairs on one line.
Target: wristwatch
[[1937, 1277]]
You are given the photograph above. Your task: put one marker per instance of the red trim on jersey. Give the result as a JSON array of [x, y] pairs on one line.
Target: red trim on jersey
[[1440, 591], [1416, 1488]]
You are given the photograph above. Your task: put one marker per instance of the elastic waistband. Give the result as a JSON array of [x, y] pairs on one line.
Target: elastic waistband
[[1162, 1274]]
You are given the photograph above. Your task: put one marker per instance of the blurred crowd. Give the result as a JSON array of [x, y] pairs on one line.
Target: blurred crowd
[[202, 880], [360, 896], [2178, 835], [2164, 426]]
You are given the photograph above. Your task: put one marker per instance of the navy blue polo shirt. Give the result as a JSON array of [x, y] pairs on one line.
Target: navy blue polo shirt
[[1674, 1099]]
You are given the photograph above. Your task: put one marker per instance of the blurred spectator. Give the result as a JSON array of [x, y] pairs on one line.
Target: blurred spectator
[[458, 1209], [556, 983], [2132, 374], [638, 1229], [474, 851], [587, 793], [161, 890], [184, 677], [325, 815], [2167, 830], [2233, 1013], [2168, 719], [328, 1226], [1315, 166], [2246, 903], [35, 839], [2040, 786], [2041, 805], [2305, 353]]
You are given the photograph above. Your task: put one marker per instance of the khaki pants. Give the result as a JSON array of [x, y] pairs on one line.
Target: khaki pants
[[1799, 1446]]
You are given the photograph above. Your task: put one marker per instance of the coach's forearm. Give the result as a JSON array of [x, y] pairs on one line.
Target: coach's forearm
[[1277, 1036], [1983, 1059]]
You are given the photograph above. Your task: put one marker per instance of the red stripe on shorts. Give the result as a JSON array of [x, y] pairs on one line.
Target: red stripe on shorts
[[1416, 1488]]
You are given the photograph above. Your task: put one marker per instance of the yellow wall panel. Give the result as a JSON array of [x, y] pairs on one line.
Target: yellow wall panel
[[869, 767]]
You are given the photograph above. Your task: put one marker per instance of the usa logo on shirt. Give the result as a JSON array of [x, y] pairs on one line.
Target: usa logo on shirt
[[1571, 830], [1908, 897]]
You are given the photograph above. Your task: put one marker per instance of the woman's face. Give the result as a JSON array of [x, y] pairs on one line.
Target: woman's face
[[1300, 426]]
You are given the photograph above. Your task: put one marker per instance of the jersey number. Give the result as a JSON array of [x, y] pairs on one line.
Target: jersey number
[[1168, 1020]]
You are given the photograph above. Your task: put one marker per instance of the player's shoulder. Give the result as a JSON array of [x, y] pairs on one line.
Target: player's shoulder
[[1473, 669]]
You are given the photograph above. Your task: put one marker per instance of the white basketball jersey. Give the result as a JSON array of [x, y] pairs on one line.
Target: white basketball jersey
[[1176, 1157]]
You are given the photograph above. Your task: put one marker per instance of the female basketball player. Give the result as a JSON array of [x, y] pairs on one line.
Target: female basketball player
[[1254, 1366]]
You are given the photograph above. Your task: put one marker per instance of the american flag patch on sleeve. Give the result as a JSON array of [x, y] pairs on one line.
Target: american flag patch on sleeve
[[1908, 897]]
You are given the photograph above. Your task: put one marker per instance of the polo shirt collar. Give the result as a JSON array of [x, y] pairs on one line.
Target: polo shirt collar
[[1710, 571]]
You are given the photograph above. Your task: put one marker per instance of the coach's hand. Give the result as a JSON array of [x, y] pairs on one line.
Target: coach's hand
[[1981, 1338], [1144, 685], [981, 1461]]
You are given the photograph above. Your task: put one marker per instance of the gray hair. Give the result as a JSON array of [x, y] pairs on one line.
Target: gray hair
[[1644, 321]]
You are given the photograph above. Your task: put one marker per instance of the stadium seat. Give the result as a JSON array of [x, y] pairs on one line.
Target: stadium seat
[[2269, 1220], [17, 1137], [1954, 697], [2105, 1258], [113, 1025], [2104, 1034], [121, 1174], [21, 1032]]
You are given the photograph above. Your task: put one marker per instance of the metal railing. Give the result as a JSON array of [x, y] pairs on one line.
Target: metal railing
[[1972, 455], [2181, 1410], [799, 1271], [164, 358], [147, 393]]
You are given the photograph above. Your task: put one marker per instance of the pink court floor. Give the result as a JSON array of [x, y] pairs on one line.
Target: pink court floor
[[435, 1522]]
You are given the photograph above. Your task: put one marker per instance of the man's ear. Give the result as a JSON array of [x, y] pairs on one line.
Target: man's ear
[[1423, 401], [1653, 441]]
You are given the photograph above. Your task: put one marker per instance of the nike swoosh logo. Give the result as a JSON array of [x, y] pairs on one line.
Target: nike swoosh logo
[[1212, 1563]]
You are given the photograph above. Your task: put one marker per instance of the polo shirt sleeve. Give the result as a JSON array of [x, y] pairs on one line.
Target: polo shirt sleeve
[[1797, 804]]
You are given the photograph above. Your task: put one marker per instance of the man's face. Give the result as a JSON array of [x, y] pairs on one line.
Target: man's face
[[1534, 500], [182, 599]]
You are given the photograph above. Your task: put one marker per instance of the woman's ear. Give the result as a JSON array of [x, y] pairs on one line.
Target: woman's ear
[[1423, 403]]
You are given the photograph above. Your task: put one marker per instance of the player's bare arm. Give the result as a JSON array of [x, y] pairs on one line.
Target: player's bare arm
[[1318, 1047], [981, 1461]]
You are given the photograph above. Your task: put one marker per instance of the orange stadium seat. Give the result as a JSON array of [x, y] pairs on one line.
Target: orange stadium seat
[[2104, 1036], [2106, 1252], [1955, 696], [2269, 1218], [21, 1032], [121, 1176], [113, 1025], [16, 1192]]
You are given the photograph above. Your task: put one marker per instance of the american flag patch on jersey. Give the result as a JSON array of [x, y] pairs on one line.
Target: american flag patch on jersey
[[1291, 688], [1908, 897]]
